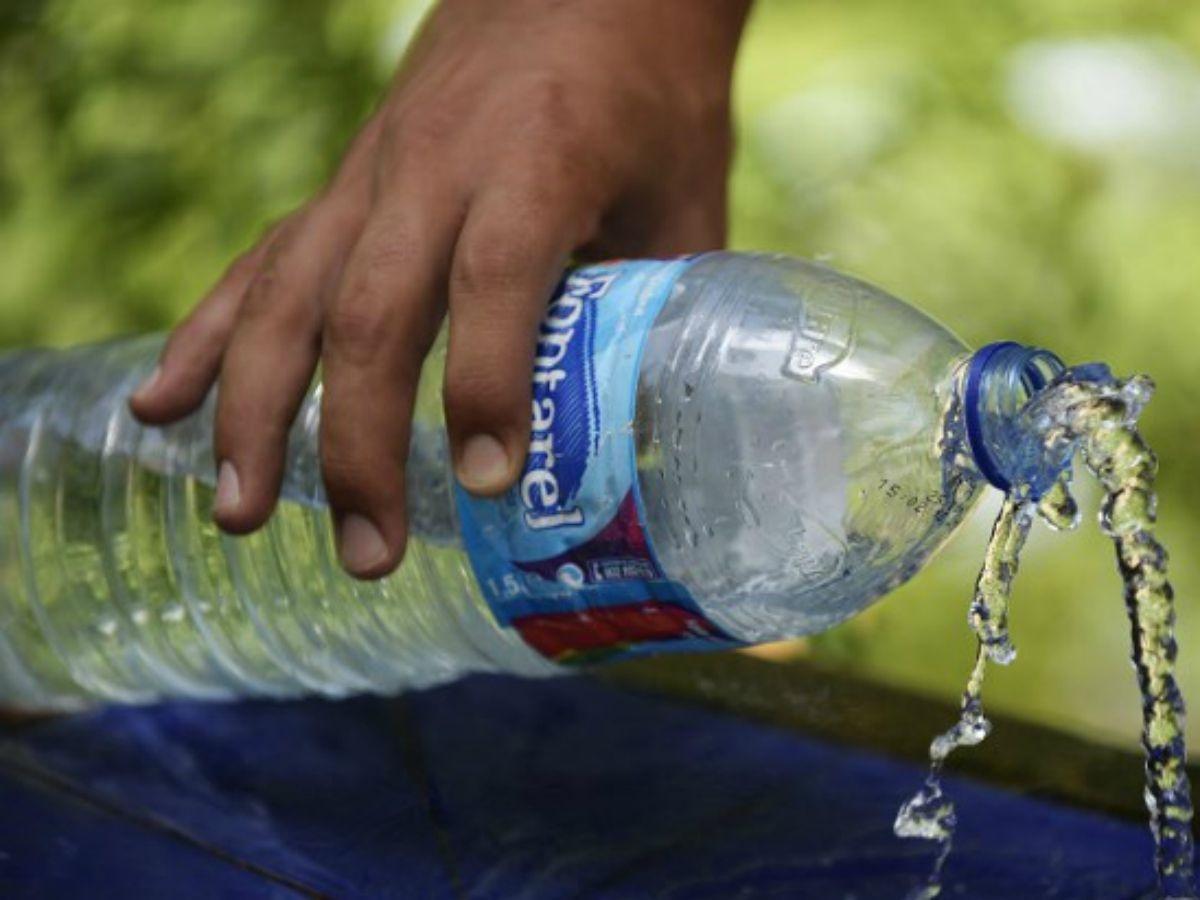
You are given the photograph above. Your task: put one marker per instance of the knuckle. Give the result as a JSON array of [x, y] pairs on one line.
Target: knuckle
[[277, 299], [261, 292], [356, 327], [245, 264], [357, 324], [491, 262], [266, 245]]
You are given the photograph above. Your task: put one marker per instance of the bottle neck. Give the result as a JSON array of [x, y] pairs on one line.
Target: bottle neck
[[1001, 379]]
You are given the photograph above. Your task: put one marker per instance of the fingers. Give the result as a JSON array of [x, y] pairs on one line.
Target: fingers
[[269, 362], [192, 355], [509, 256], [376, 334]]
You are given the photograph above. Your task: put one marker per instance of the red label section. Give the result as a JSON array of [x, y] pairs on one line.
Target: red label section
[[592, 635]]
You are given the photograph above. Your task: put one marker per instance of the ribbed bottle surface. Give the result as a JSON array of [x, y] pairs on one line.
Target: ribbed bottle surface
[[115, 584]]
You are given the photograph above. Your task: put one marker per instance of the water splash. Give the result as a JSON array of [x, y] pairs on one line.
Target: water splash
[[1088, 411], [929, 813], [1120, 459]]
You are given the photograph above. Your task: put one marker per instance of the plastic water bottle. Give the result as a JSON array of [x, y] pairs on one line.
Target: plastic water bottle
[[725, 450]]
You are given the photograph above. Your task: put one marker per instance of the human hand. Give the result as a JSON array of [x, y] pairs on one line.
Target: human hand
[[516, 135]]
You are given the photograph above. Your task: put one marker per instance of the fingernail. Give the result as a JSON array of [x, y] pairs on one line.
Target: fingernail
[[361, 546], [483, 464], [147, 386], [229, 490]]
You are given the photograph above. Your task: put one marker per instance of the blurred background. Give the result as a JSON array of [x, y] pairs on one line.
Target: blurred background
[[1025, 169]]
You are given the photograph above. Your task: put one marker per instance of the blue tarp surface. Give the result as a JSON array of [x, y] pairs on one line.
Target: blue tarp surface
[[498, 788]]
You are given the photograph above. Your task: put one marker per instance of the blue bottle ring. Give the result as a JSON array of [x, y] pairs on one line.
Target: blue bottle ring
[[988, 466]]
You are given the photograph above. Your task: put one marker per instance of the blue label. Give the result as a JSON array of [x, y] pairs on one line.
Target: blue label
[[564, 558]]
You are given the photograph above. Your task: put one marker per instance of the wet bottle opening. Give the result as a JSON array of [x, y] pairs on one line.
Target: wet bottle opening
[[1001, 379]]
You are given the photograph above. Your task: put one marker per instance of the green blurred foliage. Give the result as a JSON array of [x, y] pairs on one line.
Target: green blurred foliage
[[882, 137], [143, 144]]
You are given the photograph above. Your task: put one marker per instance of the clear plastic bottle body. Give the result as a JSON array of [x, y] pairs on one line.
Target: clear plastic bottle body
[[798, 446], [115, 584], [793, 462]]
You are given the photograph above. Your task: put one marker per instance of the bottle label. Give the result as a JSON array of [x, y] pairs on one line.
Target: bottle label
[[564, 557]]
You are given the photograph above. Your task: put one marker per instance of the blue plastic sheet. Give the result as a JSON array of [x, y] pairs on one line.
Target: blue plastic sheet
[[498, 788]]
